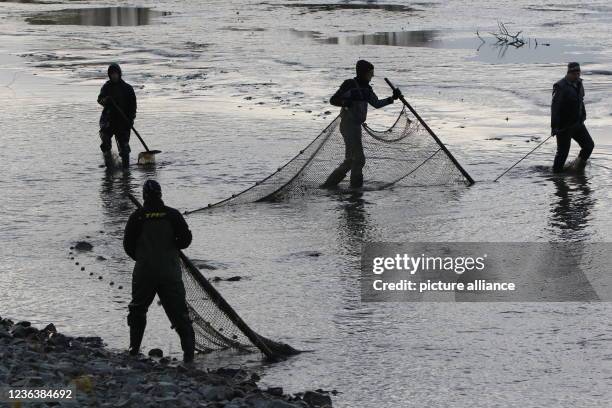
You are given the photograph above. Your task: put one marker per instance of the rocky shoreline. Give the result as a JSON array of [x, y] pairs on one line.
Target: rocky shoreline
[[43, 358]]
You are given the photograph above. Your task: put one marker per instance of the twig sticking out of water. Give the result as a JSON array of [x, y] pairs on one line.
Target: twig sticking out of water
[[505, 38], [478, 35]]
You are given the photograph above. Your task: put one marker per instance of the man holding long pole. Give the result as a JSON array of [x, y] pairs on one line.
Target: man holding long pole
[[353, 97], [119, 101]]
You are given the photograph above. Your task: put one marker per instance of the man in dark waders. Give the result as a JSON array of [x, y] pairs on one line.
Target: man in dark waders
[[567, 119], [354, 96], [153, 236], [119, 101]]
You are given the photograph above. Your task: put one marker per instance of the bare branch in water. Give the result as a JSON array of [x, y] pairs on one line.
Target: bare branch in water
[[504, 38]]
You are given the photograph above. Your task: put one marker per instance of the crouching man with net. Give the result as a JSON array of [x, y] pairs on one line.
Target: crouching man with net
[[354, 96], [153, 237]]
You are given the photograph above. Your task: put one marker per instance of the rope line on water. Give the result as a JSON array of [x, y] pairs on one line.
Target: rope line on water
[[523, 158]]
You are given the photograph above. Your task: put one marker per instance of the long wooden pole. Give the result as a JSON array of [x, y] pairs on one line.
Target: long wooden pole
[[133, 128], [433, 135]]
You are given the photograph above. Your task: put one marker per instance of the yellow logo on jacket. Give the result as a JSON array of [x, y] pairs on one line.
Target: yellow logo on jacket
[[155, 215]]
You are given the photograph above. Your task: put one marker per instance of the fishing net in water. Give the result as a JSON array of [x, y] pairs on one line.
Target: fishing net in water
[[216, 324], [406, 154]]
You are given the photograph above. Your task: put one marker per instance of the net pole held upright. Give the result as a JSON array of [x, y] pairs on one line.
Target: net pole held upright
[[433, 135]]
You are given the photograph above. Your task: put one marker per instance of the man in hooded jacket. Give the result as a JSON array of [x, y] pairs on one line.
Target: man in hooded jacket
[[117, 118], [353, 96], [154, 234]]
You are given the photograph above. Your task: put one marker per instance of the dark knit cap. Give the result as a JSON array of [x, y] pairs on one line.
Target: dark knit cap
[[573, 67], [151, 190], [363, 67]]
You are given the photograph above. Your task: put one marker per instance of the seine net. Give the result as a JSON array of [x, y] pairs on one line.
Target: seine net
[[216, 324], [406, 154]]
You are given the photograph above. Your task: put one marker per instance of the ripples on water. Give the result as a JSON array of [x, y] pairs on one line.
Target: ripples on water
[[191, 81]]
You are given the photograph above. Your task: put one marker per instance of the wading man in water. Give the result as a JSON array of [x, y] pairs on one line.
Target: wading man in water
[[567, 119], [153, 237], [119, 101], [354, 96]]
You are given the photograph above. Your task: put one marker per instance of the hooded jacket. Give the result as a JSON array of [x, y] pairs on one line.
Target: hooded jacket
[[353, 96], [567, 108], [123, 95], [153, 236]]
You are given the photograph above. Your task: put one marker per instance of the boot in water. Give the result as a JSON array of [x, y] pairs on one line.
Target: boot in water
[[577, 166], [356, 180], [125, 161], [334, 178], [108, 160]]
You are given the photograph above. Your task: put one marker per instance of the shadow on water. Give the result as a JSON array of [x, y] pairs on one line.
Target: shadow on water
[[569, 215], [99, 16]]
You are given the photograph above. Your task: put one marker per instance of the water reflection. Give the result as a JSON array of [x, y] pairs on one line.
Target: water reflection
[[354, 227], [116, 206], [488, 50], [570, 213], [542, 271], [569, 218], [99, 16], [368, 5], [422, 38], [30, 1]]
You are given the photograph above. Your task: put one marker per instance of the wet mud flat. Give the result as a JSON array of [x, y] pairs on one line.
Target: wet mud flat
[[33, 358], [353, 342]]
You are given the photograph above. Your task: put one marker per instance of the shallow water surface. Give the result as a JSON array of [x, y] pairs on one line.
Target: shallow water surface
[[486, 48], [228, 93]]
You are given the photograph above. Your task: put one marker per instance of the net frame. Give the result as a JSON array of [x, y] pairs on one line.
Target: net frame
[[408, 140]]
